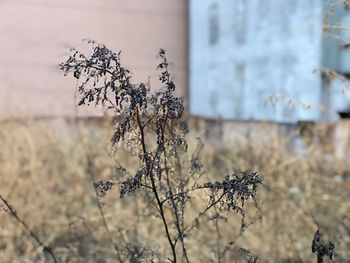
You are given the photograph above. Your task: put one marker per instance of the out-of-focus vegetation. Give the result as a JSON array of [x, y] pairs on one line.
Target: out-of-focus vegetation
[[48, 169]]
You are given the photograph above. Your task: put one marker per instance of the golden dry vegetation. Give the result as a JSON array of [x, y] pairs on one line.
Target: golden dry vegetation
[[48, 168]]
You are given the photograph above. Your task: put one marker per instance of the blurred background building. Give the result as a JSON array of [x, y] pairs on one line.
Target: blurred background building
[[231, 59], [36, 36], [262, 60]]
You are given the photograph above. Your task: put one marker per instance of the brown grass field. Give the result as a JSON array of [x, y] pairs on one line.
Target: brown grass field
[[48, 168]]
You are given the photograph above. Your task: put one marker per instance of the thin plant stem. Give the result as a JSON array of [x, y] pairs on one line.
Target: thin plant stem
[[14, 214]]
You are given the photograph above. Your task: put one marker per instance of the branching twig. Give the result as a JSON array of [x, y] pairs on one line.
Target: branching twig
[[14, 214]]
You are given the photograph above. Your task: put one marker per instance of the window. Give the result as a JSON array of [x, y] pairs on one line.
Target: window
[[238, 90], [240, 21], [213, 24]]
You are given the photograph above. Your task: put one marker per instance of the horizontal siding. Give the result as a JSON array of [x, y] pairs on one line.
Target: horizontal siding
[[35, 36]]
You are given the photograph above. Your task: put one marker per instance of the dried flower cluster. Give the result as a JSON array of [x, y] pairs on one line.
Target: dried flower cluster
[[235, 189], [320, 248], [102, 187]]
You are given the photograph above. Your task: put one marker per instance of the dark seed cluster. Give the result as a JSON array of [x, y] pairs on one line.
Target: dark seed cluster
[[250, 256], [320, 248], [102, 187], [131, 184], [235, 189]]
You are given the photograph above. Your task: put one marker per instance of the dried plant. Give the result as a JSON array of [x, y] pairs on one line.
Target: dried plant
[[151, 124], [320, 248]]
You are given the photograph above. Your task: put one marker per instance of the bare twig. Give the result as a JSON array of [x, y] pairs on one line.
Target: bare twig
[[14, 215]]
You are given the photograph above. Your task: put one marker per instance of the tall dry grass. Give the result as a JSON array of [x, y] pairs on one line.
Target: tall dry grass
[[48, 167]]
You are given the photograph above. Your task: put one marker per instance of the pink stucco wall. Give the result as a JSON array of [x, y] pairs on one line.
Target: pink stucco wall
[[35, 35]]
